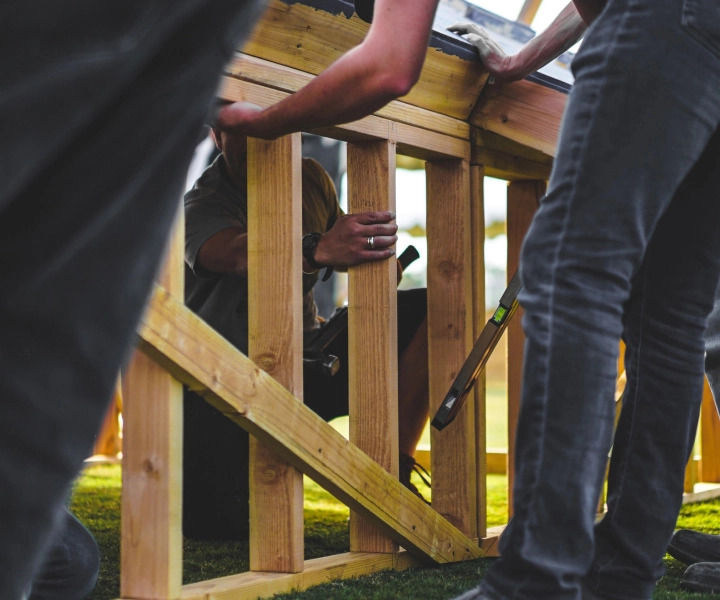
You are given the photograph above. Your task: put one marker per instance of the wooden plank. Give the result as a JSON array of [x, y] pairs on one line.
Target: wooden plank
[[108, 442], [202, 359], [528, 11], [477, 227], [412, 141], [522, 202], [522, 111], [151, 538], [372, 333], [286, 79], [709, 438], [450, 337], [505, 159], [310, 39], [253, 585], [275, 340]]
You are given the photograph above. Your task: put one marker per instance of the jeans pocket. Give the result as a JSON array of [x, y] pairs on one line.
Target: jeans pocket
[[701, 19]]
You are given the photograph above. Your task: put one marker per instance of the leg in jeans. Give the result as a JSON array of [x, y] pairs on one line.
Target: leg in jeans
[[630, 136], [664, 324], [102, 107]]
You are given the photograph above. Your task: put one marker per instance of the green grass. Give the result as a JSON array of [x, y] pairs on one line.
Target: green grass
[[96, 502]]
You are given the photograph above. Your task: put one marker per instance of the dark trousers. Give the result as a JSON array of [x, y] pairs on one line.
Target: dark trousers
[[625, 244], [102, 104]]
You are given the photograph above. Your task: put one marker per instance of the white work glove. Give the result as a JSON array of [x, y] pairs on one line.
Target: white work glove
[[491, 54]]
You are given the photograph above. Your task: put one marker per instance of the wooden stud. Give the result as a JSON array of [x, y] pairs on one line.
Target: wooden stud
[[207, 363], [477, 227], [709, 438], [528, 11], [279, 77], [522, 202], [151, 540], [275, 340], [372, 332], [412, 140], [450, 332]]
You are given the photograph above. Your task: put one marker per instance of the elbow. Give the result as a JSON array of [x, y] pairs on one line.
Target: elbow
[[396, 83]]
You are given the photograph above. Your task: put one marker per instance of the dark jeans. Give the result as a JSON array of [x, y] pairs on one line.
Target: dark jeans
[[626, 243], [102, 104], [70, 567], [215, 450]]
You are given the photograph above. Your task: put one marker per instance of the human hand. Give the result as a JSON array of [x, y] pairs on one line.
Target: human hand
[[491, 54], [244, 118], [348, 242]]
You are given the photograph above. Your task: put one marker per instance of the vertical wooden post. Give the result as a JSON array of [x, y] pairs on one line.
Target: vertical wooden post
[[709, 438], [151, 544], [477, 228], [528, 11], [275, 340], [522, 202], [450, 333], [372, 323]]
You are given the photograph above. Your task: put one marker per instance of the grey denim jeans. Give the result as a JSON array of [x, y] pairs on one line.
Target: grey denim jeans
[[626, 244], [102, 104]]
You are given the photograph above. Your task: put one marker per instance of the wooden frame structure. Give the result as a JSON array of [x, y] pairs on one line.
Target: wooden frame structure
[[464, 132]]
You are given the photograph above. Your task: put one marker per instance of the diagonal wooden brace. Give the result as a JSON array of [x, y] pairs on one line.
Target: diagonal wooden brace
[[196, 355]]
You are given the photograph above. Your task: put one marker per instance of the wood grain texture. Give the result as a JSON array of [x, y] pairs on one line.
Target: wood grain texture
[[202, 359], [709, 438], [310, 39], [372, 333], [522, 202], [412, 140], [522, 111], [275, 340], [450, 333], [286, 79], [505, 159], [151, 536], [251, 585]]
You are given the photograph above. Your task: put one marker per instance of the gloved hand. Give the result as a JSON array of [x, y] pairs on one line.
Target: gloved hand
[[491, 54]]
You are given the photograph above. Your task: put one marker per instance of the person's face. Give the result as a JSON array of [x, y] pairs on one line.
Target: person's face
[[233, 147]]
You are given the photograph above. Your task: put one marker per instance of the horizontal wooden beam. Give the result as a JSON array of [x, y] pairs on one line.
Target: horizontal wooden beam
[[522, 111], [505, 159], [256, 584], [195, 354], [287, 79], [412, 141], [310, 39]]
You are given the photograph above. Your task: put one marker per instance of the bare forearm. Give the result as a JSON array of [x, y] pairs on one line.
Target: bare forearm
[[567, 28], [225, 252], [384, 66]]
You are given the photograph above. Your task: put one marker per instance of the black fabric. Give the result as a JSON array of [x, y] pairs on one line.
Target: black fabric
[[215, 450], [364, 9]]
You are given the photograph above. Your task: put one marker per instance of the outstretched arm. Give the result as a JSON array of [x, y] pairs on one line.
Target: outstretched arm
[[383, 67], [567, 28]]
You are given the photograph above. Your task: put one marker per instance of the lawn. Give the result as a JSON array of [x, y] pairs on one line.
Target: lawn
[[96, 501]]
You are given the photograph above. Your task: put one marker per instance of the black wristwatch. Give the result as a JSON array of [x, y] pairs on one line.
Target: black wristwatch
[[309, 245]]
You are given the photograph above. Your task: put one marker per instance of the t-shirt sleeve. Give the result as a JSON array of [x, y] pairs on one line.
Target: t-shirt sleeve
[[205, 215]]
